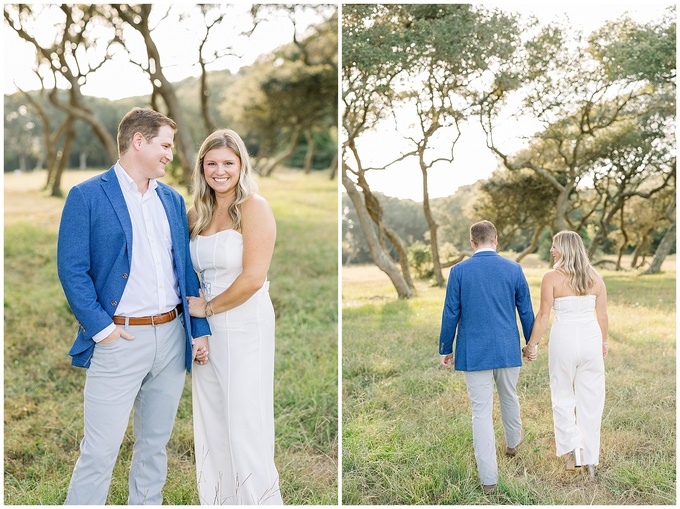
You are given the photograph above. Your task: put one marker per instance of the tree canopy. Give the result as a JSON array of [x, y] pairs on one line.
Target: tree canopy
[[59, 122], [605, 106]]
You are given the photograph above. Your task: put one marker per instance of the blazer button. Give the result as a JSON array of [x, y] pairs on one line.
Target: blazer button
[[125, 276], [114, 302]]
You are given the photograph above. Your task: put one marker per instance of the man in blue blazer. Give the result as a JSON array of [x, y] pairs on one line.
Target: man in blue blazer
[[481, 297], [124, 264]]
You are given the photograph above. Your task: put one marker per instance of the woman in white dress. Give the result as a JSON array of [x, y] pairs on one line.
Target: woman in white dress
[[232, 232], [576, 352]]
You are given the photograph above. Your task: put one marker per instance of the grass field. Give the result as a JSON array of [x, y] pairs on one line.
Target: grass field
[[407, 432], [43, 393]]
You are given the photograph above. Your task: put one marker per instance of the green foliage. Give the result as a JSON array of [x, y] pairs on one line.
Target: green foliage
[[420, 258], [326, 150], [516, 202], [638, 51], [43, 393], [304, 76], [273, 102], [544, 245], [407, 437]]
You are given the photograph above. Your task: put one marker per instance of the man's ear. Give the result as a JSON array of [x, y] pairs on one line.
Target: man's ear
[[137, 139]]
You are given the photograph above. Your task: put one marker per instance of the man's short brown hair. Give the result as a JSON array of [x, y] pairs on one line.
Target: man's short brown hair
[[141, 120], [482, 233]]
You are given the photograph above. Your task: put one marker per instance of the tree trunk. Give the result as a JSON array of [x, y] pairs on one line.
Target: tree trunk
[[642, 245], [375, 210], [666, 243], [334, 167], [79, 110], [533, 245], [309, 156], [562, 206], [69, 138], [54, 156], [377, 251], [636, 254], [432, 224], [208, 124], [55, 57], [662, 251], [83, 161], [49, 155], [273, 163], [185, 144], [624, 243]]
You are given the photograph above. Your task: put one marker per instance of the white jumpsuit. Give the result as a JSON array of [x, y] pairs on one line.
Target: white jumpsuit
[[233, 394], [576, 371]]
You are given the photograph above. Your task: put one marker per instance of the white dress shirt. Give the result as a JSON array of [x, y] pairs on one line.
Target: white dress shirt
[[152, 287]]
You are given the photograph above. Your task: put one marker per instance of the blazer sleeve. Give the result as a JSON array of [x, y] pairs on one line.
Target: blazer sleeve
[[74, 265], [524, 307], [450, 315]]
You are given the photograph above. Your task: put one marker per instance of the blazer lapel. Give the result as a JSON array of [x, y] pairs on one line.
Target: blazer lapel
[[175, 227], [113, 191]]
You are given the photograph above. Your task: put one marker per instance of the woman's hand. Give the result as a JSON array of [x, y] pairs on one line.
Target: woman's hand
[[530, 352], [199, 350], [197, 305]]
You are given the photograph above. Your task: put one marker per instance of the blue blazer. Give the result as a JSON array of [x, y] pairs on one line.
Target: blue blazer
[[94, 254], [481, 297]]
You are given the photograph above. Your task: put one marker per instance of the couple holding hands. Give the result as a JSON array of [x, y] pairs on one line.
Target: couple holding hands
[[127, 257], [482, 295]]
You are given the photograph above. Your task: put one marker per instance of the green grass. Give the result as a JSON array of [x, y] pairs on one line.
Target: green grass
[[407, 433], [43, 393]]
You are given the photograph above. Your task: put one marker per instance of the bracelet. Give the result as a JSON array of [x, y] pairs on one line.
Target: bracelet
[[208, 305]]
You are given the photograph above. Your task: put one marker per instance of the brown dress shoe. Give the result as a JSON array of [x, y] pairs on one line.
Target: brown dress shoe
[[488, 488], [512, 451]]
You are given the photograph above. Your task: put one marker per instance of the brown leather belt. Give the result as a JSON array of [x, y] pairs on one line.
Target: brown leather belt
[[149, 320]]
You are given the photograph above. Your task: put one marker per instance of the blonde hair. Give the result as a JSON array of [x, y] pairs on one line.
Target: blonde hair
[[574, 262], [204, 195]]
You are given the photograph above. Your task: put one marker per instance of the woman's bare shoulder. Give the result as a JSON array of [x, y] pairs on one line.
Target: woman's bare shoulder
[[552, 275], [256, 205], [255, 201]]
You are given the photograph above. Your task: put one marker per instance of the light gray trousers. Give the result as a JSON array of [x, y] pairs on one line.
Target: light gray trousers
[[480, 389], [146, 374]]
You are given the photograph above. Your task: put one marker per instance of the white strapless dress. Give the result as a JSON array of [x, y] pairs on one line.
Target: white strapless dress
[[233, 393], [576, 371]]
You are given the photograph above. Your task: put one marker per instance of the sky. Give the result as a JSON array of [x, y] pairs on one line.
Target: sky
[[472, 159], [118, 78]]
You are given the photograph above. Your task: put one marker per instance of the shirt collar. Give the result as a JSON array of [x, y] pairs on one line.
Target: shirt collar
[[126, 181], [485, 249]]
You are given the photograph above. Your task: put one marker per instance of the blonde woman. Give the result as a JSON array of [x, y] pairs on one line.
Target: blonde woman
[[232, 235], [576, 352]]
